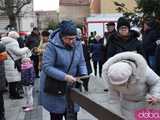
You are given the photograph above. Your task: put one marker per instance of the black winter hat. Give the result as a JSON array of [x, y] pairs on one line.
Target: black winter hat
[[123, 21], [35, 28], [68, 28]]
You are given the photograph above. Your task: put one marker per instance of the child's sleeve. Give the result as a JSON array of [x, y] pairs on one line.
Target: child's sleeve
[[32, 73]]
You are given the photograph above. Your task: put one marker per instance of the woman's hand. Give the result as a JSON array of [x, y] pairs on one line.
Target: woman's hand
[[70, 78], [152, 99]]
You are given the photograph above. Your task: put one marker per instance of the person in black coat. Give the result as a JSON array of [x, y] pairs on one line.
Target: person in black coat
[[150, 37], [123, 40], [2, 84], [96, 50], [87, 58], [110, 30], [88, 64], [32, 42]]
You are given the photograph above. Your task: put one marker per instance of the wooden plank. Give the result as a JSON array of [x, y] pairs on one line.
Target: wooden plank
[[100, 112]]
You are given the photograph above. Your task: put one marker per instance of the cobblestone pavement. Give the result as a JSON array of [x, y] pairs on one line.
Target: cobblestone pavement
[[96, 86]]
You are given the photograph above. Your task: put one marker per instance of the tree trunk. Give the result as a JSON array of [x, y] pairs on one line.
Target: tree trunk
[[12, 21]]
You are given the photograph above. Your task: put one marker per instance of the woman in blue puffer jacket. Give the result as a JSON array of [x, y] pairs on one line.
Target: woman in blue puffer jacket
[[55, 62]]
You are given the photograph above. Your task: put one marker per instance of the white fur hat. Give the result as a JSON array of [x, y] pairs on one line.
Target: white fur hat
[[119, 73], [13, 34]]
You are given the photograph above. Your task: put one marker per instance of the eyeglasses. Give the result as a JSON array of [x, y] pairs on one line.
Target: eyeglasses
[[70, 38]]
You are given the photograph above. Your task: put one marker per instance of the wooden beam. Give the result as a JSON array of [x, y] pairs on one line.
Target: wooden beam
[[100, 112]]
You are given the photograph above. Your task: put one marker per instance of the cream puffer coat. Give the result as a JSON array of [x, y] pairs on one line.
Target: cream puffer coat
[[12, 46], [142, 83]]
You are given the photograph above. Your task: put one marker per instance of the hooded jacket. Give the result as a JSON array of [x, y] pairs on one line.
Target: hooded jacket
[[12, 47], [117, 45], [142, 83], [56, 60], [149, 38]]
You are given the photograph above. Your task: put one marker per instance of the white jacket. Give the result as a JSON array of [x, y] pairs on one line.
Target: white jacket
[[12, 46], [142, 83]]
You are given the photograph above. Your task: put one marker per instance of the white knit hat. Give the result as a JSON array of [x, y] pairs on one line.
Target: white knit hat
[[119, 73]]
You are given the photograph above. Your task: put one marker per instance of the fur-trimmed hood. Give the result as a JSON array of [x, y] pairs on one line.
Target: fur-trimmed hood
[[139, 62]]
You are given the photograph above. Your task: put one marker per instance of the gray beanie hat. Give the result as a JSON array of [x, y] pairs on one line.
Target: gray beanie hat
[[119, 73]]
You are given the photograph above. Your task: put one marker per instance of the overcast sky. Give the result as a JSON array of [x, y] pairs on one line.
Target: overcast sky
[[46, 5]]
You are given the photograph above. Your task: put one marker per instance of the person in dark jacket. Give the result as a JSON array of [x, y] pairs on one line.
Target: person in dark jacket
[[88, 64], [32, 43], [123, 40], [33, 40], [110, 30], [91, 38], [2, 84], [86, 57], [150, 37], [96, 50]]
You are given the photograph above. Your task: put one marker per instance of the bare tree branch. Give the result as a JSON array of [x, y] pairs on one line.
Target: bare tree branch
[[23, 3], [12, 8]]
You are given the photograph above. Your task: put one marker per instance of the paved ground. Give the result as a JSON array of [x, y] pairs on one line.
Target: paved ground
[[96, 93], [96, 86]]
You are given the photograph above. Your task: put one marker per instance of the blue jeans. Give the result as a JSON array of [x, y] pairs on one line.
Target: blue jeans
[[152, 62]]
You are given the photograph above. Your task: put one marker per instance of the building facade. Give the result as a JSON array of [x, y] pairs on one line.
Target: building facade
[[95, 6], [45, 17], [107, 6], [26, 20], [75, 10], [3, 23]]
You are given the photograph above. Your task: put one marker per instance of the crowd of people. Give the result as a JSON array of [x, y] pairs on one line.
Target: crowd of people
[[20, 59], [125, 59], [131, 66]]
